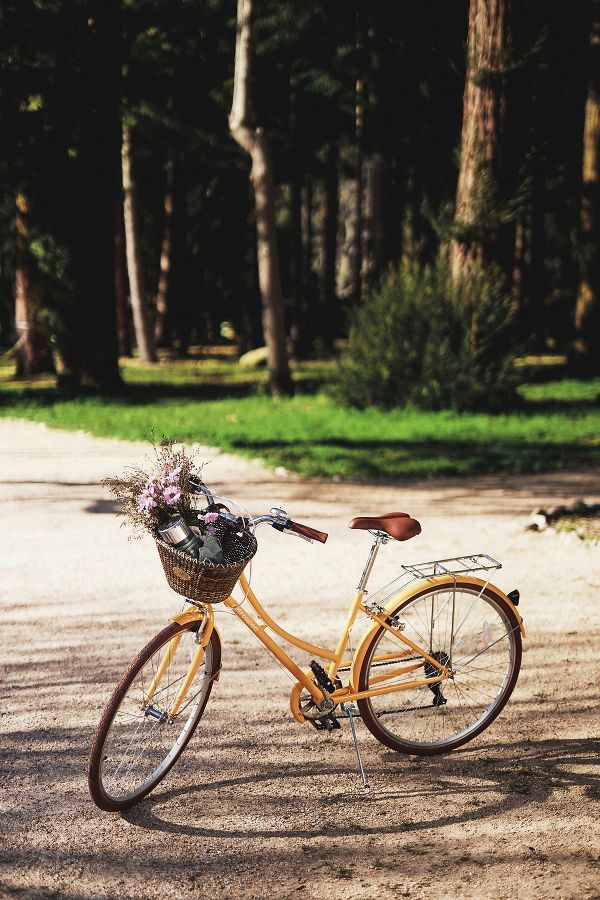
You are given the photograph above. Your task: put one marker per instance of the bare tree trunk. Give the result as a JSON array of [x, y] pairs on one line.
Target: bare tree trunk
[[251, 335], [32, 351], [484, 110], [372, 252], [162, 293], [308, 281], [587, 310], [89, 333], [356, 259], [298, 322], [327, 280], [533, 317], [254, 141], [141, 319], [121, 286]]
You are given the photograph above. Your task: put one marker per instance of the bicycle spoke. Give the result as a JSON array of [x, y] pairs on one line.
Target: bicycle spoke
[[141, 741], [460, 623]]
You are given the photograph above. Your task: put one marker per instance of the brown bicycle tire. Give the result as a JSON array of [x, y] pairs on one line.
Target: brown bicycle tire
[[99, 795], [383, 735]]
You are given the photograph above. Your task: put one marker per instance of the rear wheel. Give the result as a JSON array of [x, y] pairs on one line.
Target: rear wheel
[[472, 631], [137, 742]]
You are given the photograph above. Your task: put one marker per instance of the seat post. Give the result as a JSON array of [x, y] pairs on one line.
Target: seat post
[[380, 538]]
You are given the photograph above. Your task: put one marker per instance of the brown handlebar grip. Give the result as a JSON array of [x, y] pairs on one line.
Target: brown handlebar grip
[[307, 531]]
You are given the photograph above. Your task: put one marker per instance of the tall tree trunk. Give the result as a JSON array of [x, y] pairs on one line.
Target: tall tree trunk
[[357, 253], [372, 251], [121, 285], [90, 350], [298, 319], [141, 318], [484, 110], [162, 292], [32, 351], [587, 310], [308, 291], [251, 335], [532, 320], [327, 279], [254, 141]]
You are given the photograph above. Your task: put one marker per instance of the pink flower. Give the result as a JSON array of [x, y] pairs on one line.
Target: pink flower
[[171, 495], [151, 487], [172, 476], [146, 502], [211, 518]]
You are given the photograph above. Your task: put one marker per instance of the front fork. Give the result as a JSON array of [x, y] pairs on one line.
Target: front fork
[[206, 618]]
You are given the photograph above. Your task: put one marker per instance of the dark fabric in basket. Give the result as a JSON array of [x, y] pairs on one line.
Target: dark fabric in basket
[[205, 581]]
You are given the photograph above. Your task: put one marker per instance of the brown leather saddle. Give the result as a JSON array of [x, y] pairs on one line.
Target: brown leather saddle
[[398, 525]]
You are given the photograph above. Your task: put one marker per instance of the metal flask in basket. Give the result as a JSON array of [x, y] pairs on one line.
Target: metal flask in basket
[[177, 533]]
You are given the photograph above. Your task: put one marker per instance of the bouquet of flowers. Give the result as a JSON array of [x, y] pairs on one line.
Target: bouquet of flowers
[[202, 554], [154, 495], [158, 498]]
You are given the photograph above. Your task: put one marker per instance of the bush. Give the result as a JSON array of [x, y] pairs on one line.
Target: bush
[[425, 341]]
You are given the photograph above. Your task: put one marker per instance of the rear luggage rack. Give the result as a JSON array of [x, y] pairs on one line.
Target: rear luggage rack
[[456, 565]]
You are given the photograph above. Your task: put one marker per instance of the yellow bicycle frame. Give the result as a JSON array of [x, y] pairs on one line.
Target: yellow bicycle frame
[[380, 618], [305, 680]]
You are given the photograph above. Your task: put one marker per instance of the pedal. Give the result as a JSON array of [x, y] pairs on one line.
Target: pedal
[[321, 677], [325, 723]]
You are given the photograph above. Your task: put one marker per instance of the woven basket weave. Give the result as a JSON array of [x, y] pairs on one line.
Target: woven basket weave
[[208, 582]]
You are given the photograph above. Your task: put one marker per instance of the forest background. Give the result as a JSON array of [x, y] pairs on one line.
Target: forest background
[[400, 201]]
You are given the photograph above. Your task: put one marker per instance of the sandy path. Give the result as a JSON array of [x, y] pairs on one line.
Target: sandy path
[[259, 806]]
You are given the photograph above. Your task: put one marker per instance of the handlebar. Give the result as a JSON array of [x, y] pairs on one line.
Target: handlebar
[[278, 518], [279, 523], [305, 531]]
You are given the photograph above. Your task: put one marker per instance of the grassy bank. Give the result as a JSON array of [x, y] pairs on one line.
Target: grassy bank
[[215, 402]]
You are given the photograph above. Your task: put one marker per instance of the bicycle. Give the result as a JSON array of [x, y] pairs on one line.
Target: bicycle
[[437, 663]]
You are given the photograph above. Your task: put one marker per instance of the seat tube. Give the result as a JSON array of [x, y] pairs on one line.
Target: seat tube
[[360, 592], [361, 587]]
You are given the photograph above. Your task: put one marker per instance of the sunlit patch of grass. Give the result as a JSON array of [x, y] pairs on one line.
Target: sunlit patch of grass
[[209, 399]]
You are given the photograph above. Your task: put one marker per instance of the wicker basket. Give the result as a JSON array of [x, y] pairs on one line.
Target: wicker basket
[[208, 582]]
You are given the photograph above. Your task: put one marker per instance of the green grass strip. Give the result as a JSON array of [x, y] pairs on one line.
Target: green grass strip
[[220, 405]]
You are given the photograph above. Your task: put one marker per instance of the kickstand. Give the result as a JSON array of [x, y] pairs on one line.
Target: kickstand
[[350, 710]]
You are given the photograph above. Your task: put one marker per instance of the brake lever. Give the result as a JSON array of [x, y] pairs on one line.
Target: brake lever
[[295, 534]]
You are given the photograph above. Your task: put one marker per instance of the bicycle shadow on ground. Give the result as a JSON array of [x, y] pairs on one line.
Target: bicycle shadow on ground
[[498, 778]]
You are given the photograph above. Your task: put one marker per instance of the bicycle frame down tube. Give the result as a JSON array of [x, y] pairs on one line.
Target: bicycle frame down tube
[[291, 638], [335, 657], [258, 630]]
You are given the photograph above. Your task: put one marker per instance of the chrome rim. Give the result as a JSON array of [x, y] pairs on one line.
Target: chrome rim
[[464, 629], [141, 742]]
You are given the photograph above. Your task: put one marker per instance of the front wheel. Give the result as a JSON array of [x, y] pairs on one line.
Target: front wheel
[[467, 628], [137, 742]]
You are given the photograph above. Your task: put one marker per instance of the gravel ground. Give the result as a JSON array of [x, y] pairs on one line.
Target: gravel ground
[[259, 806]]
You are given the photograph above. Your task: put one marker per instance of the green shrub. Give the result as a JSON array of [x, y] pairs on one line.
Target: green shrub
[[424, 341]]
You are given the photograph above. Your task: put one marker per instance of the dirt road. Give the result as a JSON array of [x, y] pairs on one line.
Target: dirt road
[[259, 806]]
